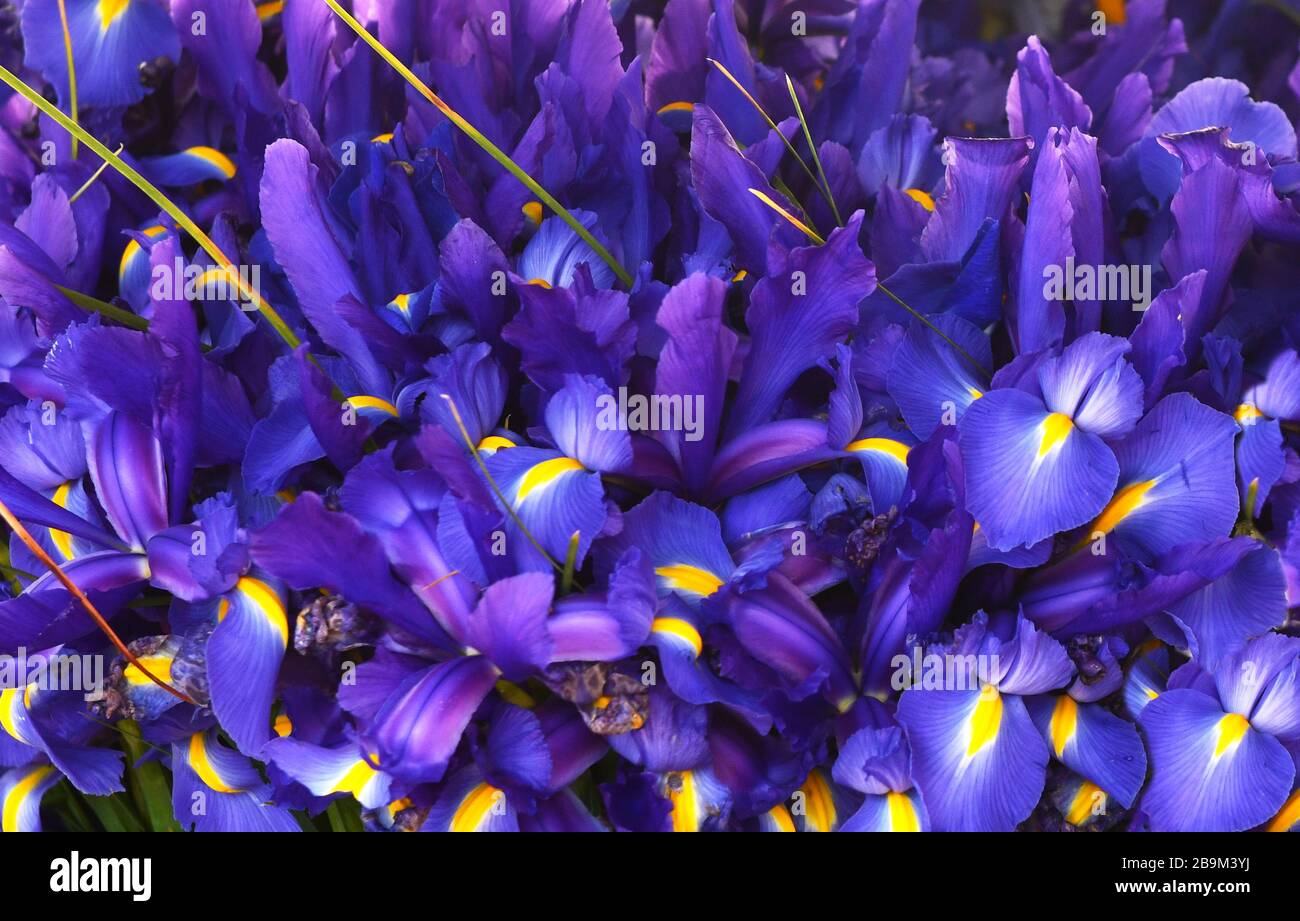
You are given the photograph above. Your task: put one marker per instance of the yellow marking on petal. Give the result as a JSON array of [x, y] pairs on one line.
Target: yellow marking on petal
[[109, 11], [283, 725], [541, 283], [494, 443], [1115, 11], [920, 197], [819, 804], [474, 808], [1055, 429], [1288, 816], [364, 401], [62, 539], [385, 138], [1151, 693], [533, 211], [1126, 502], [1081, 807], [356, 778], [690, 579], [401, 303], [1232, 729], [974, 392], [268, 602], [270, 10], [686, 813], [985, 720], [1065, 722], [895, 449], [8, 702], [780, 817], [158, 665], [679, 106], [202, 765], [902, 814], [542, 475], [740, 276], [18, 795], [133, 246], [682, 629], [514, 694], [215, 157], [1247, 413]]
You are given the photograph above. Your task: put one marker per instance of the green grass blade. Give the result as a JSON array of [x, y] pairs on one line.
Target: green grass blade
[[817, 160], [808, 231], [147, 781], [784, 140], [165, 204], [72, 70], [983, 372], [482, 141], [105, 309]]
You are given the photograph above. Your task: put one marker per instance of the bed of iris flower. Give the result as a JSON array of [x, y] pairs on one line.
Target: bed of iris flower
[[565, 415]]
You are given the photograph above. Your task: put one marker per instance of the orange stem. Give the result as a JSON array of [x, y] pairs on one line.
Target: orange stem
[[26, 537]]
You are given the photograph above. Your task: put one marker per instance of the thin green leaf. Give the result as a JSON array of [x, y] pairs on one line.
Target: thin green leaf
[[496, 153], [114, 813], [104, 309], [147, 781], [817, 160], [183, 220], [72, 70]]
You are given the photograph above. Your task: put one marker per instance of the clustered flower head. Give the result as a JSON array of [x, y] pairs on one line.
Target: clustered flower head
[[775, 415]]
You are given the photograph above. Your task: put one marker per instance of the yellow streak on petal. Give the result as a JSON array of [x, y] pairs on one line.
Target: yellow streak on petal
[[202, 765], [985, 720], [8, 704], [109, 11], [921, 197], [689, 578], [1232, 729], [888, 446], [355, 780], [133, 247], [494, 443], [780, 817], [473, 809], [1288, 816], [1126, 502], [680, 106], [819, 804], [269, 10], [1055, 429], [1065, 721], [542, 475], [902, 814], [686, 813], [62, 539], [533, 211], [541, 283], [268, 602], [19, 793], [1082, 805], [1247, 413], [215, 157], [384, 138], [364, 401], [682, 629], [283, 725]]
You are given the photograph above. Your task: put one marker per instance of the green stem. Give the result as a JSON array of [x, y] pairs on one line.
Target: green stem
[[983, 372], [183, 220], [482, 141], [72, 70], [817, 160]]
